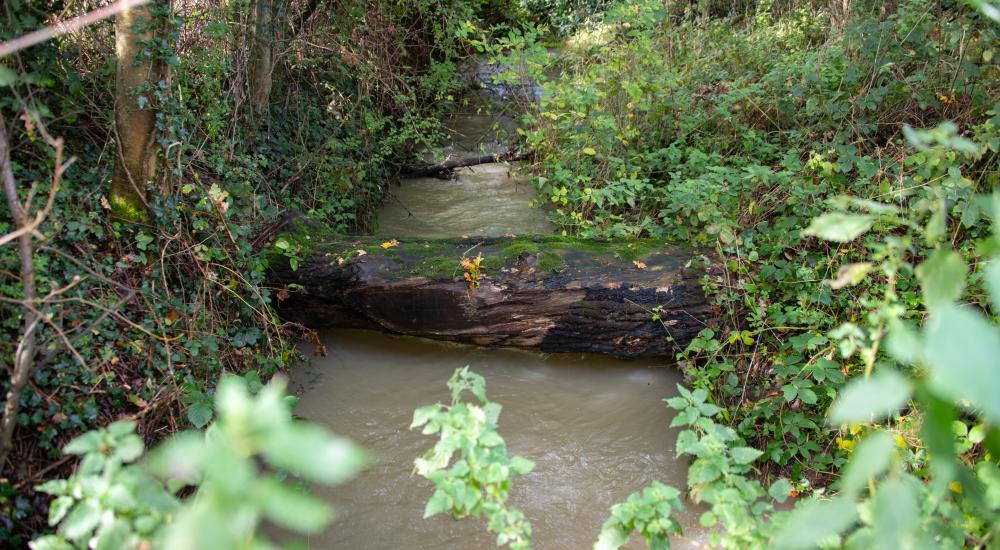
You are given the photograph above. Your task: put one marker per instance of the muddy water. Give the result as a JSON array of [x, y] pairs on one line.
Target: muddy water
[[595, 427], [489, 199]]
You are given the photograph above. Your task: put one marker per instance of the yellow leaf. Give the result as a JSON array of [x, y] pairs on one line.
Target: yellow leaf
[[389, 244], [589, 151]]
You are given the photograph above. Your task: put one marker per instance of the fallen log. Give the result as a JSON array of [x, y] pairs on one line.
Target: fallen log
[[629, 299], [445, 169]]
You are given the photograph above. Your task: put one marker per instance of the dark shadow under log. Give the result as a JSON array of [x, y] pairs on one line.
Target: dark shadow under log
[[555, 294]]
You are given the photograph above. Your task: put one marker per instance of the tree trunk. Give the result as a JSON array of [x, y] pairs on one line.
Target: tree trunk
[[263, 55], [637, 298], [840, 15], [135, 116]]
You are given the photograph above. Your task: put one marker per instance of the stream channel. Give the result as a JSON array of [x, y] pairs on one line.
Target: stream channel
[[596, 428]]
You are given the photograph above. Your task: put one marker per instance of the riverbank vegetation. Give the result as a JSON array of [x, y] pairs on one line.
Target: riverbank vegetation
[[835, 159]]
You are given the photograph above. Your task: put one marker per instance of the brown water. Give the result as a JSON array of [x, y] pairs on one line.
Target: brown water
[[595, 427], [484, 200]]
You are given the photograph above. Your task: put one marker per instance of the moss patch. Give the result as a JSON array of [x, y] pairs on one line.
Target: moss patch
[[550, 262], [437, 267]]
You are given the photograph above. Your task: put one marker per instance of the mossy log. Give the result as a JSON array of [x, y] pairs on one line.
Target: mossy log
[[629, 299]]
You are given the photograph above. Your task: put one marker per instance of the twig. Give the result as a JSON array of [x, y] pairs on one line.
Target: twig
[[63, 27]]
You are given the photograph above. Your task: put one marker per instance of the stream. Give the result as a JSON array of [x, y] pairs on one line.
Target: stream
[[596, 428]]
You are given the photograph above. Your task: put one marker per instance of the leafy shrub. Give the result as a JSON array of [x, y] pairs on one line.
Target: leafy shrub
[[114, 501]]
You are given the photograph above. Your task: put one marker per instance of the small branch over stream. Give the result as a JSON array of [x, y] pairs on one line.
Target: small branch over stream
[[445, 168]]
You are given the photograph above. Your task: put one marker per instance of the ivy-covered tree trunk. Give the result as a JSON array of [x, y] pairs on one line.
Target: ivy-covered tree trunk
[[137, 74]]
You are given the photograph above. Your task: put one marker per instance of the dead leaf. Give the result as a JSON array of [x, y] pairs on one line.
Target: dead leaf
[[639, 264], [850, 275]]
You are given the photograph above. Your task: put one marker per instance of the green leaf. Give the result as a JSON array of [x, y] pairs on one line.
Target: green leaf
[[612, 536], [780, 490], [839, 227], [745, 455], [904, 343], [871, 458], [293, 509], [82, 520], [942, 278], [439, 502], [199, 413], [423, 414], [121, 428], [869, 400], [521, 465], [993, 283], [815, 521], [58, 509], [895, 514], [89, 442], [962, 351], [588, 151], [7, 77], [50, 542], [313, 452], [130, 448]]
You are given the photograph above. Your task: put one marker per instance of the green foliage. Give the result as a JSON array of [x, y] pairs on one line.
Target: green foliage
[[114, 501], [478, 482], [649, 513]]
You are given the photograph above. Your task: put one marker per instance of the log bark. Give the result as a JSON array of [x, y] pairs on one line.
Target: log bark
[[445, 168], [554, 294]]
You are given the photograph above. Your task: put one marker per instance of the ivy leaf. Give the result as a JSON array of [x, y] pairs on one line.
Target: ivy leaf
[[199, 413], [869, 400], [962, 350], [942, 278], [839, 227]]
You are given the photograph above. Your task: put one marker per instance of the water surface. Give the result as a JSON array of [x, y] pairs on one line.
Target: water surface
[[595, 427]]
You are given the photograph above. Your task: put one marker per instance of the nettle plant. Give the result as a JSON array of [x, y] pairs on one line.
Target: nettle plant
[[478, 482], [237, 470]]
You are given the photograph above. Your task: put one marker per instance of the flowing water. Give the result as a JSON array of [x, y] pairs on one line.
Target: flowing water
[[596, 428]]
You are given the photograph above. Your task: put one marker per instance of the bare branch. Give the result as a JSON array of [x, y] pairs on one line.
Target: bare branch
[[64, 27]]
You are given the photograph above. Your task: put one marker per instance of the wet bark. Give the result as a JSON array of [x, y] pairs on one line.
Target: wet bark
[[549, 293]]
